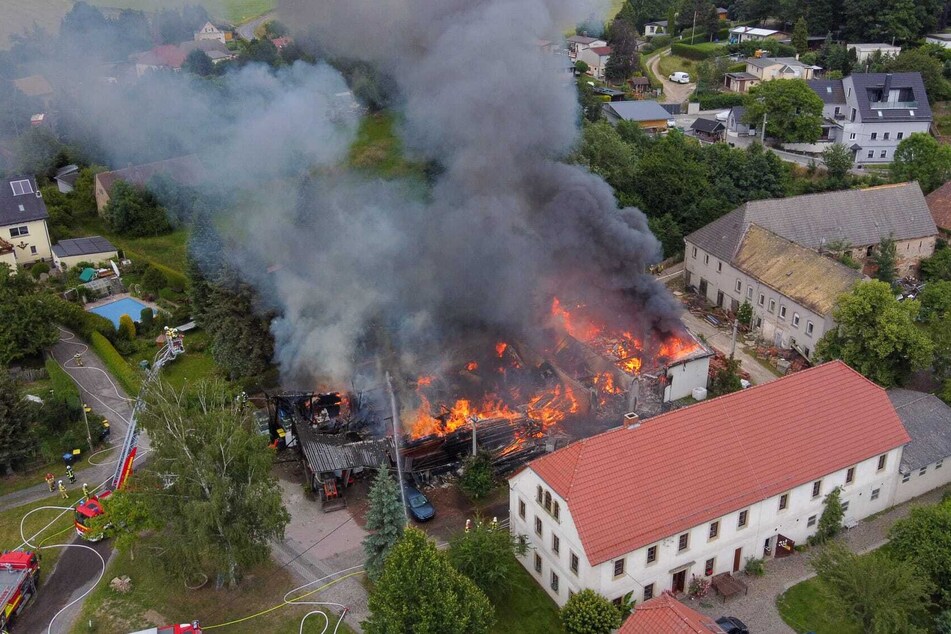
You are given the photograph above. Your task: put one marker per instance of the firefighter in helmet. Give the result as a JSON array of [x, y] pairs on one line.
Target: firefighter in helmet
[[50, 481], [85, 490], [70, 474], [62, 490]]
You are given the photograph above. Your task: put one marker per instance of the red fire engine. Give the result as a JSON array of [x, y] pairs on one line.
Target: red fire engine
[[19, 576], [182, 628], [92, 506]]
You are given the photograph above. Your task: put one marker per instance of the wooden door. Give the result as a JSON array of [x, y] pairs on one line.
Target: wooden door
[[737, 556], [680, 581]]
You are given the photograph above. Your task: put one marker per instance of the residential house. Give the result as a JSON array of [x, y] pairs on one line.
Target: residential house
[[164, 57], [650, 115], [66, 178], [578, 43], [750, 34], [36, 86], [928, 421], [723, 14], [708, 129], [735, 125], [870, 113], [94, 249], [740, 81], [211, 32], [596, 58], [186, 170], [23, 221], [768, 68], [767, 252], [864, 51], [642, 508], [941, 39], [657, 27], [215, 50], [281, 42], [664, 614], [639, 85], [939, 202]]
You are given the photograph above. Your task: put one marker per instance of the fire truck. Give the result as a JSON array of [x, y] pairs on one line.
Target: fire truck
[[91, 507], [19, 576], [182, 628]]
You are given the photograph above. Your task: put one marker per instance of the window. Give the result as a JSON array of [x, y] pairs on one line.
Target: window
[[21, 187], [547, 504], [649, 592], [555, 543], [695, 253], [16, 232], [900, 136], [922, 471], [782, 312], [837, 109], [875, 493], [809, 328], [538, 563], [882, 460], [521, 509], [783, 501], [772, 306], [554, 581], [852, 136], [706, 259], [749, 292], [573, 563], [816, 488], [883, 154], [906, 477], [806, 351], [719, 266], [708, 567], [885, 136], [618, 567], [762, 299], [938, 464], [811, 521], [33, 250], [741, 521], [852, 118], [538, 526], [845, 506], [739, 286], [874, 135], [850, 475], [871, 154], [652, 554], [683, 542], [556, 511], [538, 495], [795, 320], [714, 529]]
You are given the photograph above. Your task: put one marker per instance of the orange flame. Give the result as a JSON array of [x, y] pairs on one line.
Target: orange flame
[[472, 366], [500, 348]]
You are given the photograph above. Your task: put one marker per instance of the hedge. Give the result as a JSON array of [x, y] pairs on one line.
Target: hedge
[[80, 321], [63, 386], [697, 52], [119, 367], [177, 280], [717, 100]]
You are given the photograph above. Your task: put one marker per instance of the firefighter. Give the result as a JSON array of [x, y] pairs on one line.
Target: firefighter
[[85, 490], [70, 474], [62, 490], [78, 358], [105, 431], [50, 481]]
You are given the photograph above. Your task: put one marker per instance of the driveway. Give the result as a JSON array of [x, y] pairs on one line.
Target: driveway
[[673, 93], [246, 30], [721, 339]]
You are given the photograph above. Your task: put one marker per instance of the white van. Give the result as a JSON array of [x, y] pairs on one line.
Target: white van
[[680, 77]]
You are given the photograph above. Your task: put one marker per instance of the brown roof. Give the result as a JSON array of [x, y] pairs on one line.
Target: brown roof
[[630, 487], [803, 275], [601, 51], [666, 615], [186, 170], [33, 86], [939, 202]]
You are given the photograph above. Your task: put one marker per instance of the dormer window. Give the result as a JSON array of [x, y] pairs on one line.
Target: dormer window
[[21, 187]]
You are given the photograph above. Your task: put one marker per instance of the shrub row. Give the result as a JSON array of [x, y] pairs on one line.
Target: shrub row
[[63, 386], [119, 367], [716, 100], [82, 322], [696, 52], [177, 280]]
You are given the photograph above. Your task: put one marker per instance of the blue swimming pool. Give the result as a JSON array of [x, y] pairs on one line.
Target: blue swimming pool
[[114, 310]]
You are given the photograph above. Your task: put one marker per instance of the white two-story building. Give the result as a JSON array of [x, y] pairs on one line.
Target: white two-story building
[[23, 217], [700, 490]]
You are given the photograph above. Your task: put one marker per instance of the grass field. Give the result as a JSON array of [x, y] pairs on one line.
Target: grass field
[[526, 609], [235, 11], [670, 64], [378, 149], [170, 250], [805, 608], [60, 532]]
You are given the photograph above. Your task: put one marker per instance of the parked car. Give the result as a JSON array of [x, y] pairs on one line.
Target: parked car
[[679, 77], [732, 625], [418, 504]]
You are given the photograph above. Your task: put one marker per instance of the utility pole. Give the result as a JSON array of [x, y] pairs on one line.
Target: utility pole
[[733, 341], [87, 409], [396, 442], [693, 31], [475, 447], [762, 133]]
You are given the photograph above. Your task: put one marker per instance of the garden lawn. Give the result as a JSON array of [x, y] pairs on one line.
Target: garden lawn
[[60, 532], [378, 149], [805, 608], [670, 64], [194, 365], [235, 11], [170, 250], [527, 609], [156, 595]]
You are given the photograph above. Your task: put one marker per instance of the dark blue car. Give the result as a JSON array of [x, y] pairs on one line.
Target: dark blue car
[[418, 505]]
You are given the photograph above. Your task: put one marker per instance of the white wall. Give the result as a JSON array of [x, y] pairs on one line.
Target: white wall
[[915, 484], [595, 62], [37, 237], [686, 376]]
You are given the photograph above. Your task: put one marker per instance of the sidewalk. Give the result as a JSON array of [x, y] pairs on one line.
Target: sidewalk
[[721, 340]]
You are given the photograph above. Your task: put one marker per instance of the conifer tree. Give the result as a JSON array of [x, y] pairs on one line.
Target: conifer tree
[[385, 521]]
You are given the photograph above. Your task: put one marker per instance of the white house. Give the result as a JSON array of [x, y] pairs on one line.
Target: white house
[[210, 32], [941, 39], [865, 51], [23, 221], [928, 421], [578, 43], [700, 490], [657, 27], [752, 34], [596, 58]]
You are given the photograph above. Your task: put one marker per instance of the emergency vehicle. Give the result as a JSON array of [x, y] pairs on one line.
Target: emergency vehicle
[[19, 576], [182, 628], [91, 507]]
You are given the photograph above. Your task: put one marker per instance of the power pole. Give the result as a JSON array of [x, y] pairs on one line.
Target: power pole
[[693, 31], [762, 133], [396, 442], [733, 341]]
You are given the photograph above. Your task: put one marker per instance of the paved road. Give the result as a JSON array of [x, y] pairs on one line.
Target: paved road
[[721, 340], [673, 93], [246, 30]]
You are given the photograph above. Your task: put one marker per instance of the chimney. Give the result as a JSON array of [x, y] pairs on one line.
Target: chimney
[[632, 421], [888, 86]]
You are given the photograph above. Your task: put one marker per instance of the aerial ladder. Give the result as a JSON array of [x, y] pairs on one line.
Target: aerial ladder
[[91, 507]]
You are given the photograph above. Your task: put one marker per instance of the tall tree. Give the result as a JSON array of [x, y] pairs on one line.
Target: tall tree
[[935, 314], [134, 211], [793, 110], [830, 522], [485, 552], [876, 334], [16, 434], [624, 60], [938, 266], [604, 153], [199, 63], [922, 158], [223, 506], [587, 612], [923, 538], [726, 380], [420, 591], [880, 593], [709, 19], [26, 320], [920, 60], [800, 36], [128, 514], [838, 161], [885, 258], [386, 520]]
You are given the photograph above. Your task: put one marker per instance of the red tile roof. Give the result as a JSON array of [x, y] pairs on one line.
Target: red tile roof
[[628, 488], [601, 51], [939, 202], [667, 615], [186, 170]]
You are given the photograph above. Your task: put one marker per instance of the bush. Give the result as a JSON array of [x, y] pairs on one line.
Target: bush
[[153, 280], [126, 328], [660, 41], [146, 319], [64, 388], [755, 567], [477, 476], [587, 612], [81, 322], [175, 280], [119, 367], [717, 100], [39, 269], [696, 52]]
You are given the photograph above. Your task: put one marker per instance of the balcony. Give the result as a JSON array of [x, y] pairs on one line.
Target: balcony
[[894, 105]]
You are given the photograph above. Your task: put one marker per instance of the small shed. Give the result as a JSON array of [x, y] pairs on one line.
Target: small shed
[[66, 178], [650, 115], [708, 129], [94, 249], [639, 85]]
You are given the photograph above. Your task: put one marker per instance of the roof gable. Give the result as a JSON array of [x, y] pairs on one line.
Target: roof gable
[[928, 421], [865, 85], [20, 201], [630, 487], [666, 615]]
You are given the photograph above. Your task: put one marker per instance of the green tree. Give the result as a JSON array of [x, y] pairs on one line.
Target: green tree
[[943, 622], [134, 211], [938, 266], [919, 60], [26, 320], [126, 328], [672, 178], [419, 591], [793, 110], [478, 477], [154, 280], [923, 538], [587, 612], [581, 67], [708, 19], [624, 60], [884, 258], [726, 380], [127, 515], [198, 63], [36, 151], [830, 522], [671, 237], [921, 158], [876, 334], [935, 314], [386, 520], [39, 269], [744, 313], [880, 593], [590, 102], [16, 434], [800, 36], [223, 506], [604, 152], [146, 319], [83, 196], [485, 552], [838, 161]]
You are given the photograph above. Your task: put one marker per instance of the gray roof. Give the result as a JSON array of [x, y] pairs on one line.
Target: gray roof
[[82, 246], [864, 82], [20, 207], [829, 90], [862, 217], [766, 62], [928, 421], [582, 39], [662, 23], [707, 125], [331, 452], [738, 112], [638, 110]]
